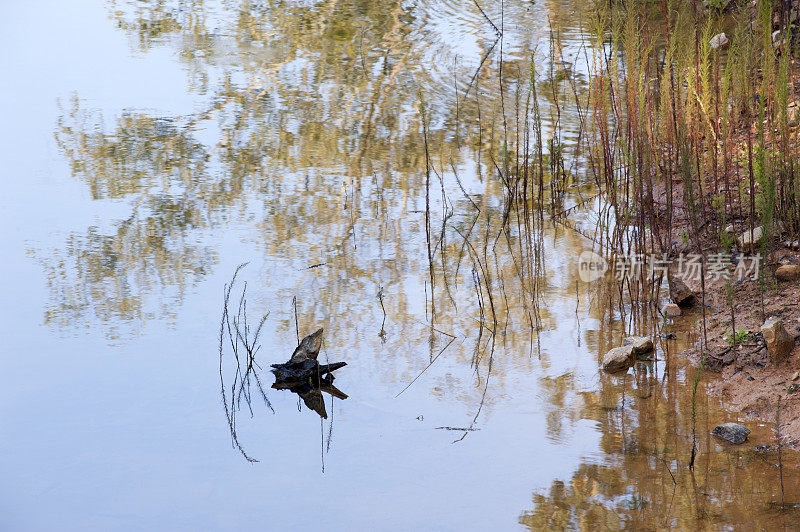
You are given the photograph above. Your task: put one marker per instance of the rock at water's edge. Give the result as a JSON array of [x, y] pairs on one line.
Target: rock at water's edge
[[619, 359], [731, 432], [680, 292], [671, 310], [641, 344]]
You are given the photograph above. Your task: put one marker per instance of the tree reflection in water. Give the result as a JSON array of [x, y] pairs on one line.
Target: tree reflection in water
[[306, 122], [643, 481]]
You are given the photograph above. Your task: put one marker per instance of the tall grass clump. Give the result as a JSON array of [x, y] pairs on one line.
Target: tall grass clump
[[688, 136]]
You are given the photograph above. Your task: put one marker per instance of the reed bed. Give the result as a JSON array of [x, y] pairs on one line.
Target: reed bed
[[681, 139]]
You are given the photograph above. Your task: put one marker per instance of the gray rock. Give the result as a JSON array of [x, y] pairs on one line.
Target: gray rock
[[787, 272], [749, 241], [641, 344], [728, 358], [619, 359], [792, 112], [680, 293], [718, 41], [671, 310], [731, 432], [779, 342]]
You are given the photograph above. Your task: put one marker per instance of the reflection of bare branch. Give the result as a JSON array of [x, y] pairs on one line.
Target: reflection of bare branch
[[455, 174], [496, 29], [426, 367], [237, 331], [480, 67]]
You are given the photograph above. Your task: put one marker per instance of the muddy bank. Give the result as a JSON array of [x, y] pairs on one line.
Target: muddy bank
[[748, 380]]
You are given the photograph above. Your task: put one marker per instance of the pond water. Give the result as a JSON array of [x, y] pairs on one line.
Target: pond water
[[150, 147]]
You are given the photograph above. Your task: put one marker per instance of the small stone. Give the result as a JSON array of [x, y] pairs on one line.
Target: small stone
[[792, 244], [679, 292], [671, 310], [731, 432], [619, 359], [729, 358], [787, 272], [777, 39], [779, 342], [796, 375], [792, 112], [730, 229], [641, 344], [749, 241], [718, 41]]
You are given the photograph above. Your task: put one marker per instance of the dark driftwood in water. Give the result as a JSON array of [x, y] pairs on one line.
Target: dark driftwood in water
[[299, 388], [303, 371], [308, 348], [312, 395], [306, 377], [303, 366]]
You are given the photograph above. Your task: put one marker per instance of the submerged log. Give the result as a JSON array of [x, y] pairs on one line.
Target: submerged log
[[303, 367], [306, 377], [305, 370], [312, 395], [308, 348], [326, 386]]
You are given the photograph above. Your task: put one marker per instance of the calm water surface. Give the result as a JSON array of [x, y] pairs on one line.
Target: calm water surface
[[150, 147]]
